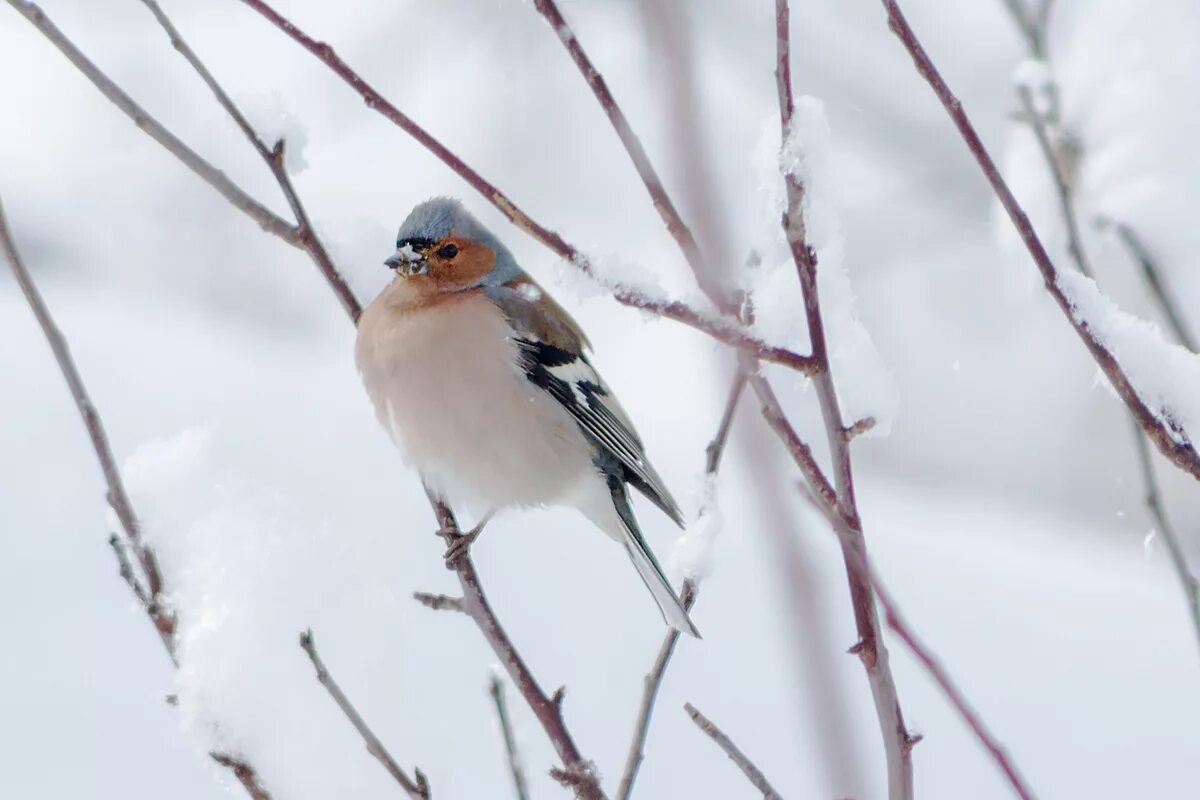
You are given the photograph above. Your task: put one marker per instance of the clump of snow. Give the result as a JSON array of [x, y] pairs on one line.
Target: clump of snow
[[1165, 375], [865, 385], [692, 556], [600, 274], [271, 118]]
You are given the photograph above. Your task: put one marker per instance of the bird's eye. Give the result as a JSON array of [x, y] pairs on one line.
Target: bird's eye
[[448, 251]]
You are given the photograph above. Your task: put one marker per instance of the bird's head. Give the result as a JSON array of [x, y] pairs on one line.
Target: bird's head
[[442, 248]]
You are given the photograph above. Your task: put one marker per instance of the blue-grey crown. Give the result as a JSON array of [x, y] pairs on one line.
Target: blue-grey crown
[[442, 216]]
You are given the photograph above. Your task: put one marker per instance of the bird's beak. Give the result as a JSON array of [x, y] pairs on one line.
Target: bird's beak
[[407, 260]]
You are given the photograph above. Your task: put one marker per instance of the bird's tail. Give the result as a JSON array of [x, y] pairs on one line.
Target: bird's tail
[[648, 566]]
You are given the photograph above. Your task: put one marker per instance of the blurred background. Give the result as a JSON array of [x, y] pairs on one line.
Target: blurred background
[[1003, 505]]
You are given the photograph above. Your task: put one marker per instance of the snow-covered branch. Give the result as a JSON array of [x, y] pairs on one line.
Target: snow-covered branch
[[149, 589], [1159, 417], [721, 327]]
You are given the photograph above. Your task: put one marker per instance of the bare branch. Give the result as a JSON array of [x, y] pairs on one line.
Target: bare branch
[[633, 146], [306, 237], [214, 177], [245, 774], [1179, 450], [1187, 579], [858, 428], [1062, 184], [872, 652], [1141, 254], [747, 767], [520, 785], [416, 789], [654, 678], [440, 602], [151, 595], [934, 667], [652, 683], [821, 490], [548, 710], [722, 328]]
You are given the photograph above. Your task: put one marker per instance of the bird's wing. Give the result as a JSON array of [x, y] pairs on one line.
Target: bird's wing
[[551, 349]]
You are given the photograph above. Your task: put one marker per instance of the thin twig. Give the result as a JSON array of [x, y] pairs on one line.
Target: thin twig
[[720, 327], [1062, 184], [654, 678], [1141, 254], [547, 709], [678, 229], [416, 789], [1178, 449], [934, 667], [273, 155], [1179, 561], [245, 774], [149, 588], [520, 784], [1078, 253], [214, 177], [150, 595], [652, 683], [872, 651], [753, 773]]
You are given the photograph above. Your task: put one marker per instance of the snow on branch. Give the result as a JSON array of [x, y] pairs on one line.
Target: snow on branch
[[149, 588], [1163, 429], [723, 328]]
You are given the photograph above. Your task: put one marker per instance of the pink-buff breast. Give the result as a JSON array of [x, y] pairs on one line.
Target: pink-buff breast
[[446, 386]]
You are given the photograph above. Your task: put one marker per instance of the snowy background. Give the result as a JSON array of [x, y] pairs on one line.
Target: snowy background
[[1003, 508]]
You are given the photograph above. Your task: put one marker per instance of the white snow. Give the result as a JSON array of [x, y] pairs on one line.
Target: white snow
[[1165, 375], [692, 556], [864, 382], [271, 117]]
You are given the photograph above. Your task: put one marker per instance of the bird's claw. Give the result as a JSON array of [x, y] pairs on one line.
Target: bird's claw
[[460, 545]]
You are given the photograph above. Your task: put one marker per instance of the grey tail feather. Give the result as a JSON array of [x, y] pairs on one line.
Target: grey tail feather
[[647, 565]]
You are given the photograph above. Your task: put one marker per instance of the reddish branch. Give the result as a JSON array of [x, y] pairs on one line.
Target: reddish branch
[[417, 789], [548, 709], [722, 328], [1177, 448], [244, 773], [870, 648], [752, 772]]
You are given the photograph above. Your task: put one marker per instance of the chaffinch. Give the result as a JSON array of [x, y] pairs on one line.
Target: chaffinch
[[482, 381]]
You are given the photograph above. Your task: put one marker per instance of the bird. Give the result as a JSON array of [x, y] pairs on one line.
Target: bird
[[484, 384]]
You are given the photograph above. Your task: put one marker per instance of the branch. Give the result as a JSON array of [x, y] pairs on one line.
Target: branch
[[934, 667], [1066, 201], [273, 156], [670, 216], [652, 683], [722, 328], [870, 648], [737, 756], [214, 177], [520, 785], [1179, 450], [149, 588], [418, 789], [653, 680], [548, 710], [244, 773], [1141, 254], [150, 595]]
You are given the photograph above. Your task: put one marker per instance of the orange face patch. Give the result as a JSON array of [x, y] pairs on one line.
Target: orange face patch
[[455, 263]]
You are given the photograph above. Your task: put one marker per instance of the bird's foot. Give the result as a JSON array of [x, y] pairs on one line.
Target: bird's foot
[[460, 543]]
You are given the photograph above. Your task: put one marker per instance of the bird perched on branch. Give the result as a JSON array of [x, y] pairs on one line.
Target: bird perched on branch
[[483, 383]]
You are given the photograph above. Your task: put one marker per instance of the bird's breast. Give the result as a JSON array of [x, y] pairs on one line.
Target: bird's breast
[[446, 385]]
